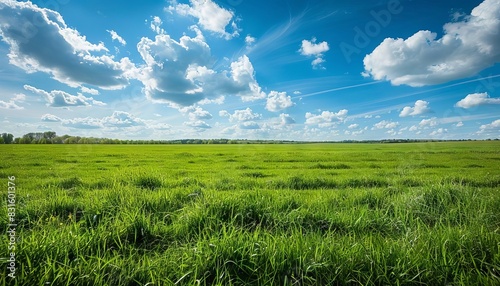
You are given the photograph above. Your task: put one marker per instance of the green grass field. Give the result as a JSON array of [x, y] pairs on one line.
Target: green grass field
[[311, 214]]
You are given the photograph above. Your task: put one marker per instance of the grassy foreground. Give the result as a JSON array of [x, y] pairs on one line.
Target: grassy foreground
[[312, 214]]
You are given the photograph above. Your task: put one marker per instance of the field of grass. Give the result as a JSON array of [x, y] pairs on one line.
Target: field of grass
[[311, 214]]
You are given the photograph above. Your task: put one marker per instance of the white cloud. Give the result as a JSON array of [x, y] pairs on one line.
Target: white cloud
[[493, 126], [58, 98], [439, 131], [358, 132], [467, 47], [155, 25], [326, 118], [240, 115], [122, 119], [243, 74], [277, 101], [224, 113], [198, 124], [89, 90], [391, 132], [384, 124], [286, 119], [459, 124], [219, 100], [310, 48], [352, 126], [115, 36], [476, 99], [316, 63], [249, 40], [66, 54], [83, 123], [431, 122], [178, 73], [211, 16], [50, 118], [420, 107], [160, 126], [249, 125], [12, 103], [119, 119], [199, 114]]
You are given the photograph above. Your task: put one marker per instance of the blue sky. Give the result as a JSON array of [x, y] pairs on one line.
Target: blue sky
[[293, 70]]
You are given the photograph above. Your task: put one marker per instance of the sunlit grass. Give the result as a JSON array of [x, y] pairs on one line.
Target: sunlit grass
[[323, 214]]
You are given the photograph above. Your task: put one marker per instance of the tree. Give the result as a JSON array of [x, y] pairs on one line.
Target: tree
[[49, 135], [71, 140], [7, 138], [57, 140], [25, 140]]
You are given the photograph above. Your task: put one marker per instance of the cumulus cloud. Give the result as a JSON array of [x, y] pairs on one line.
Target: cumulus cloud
[[326, 118], [155, 25], [277, 101], [198, 124], [160, 126], [384, 124], [58, 98], [119, 119], [431, 122], [40, 41], [178, 73], [391, 132], [243, 75], [249, 125], [199, 114], [240, 115], [476, 99], [50, 118], [310, 48], [13, 102], [286, 119], [89, 90], [219, 100], [439, 131], [459, 124], [83, 123], [249, 40], [493, 126], [467, 47], [211, 17], [352, 126], [420, 107], [115, 36], [122, 119]]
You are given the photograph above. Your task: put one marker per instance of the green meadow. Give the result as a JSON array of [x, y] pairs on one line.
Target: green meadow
[[291, 214]]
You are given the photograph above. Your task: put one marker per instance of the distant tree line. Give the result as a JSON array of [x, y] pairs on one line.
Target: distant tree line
[[50, 137]]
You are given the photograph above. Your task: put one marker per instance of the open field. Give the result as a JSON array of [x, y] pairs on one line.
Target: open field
[[311, 214]]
